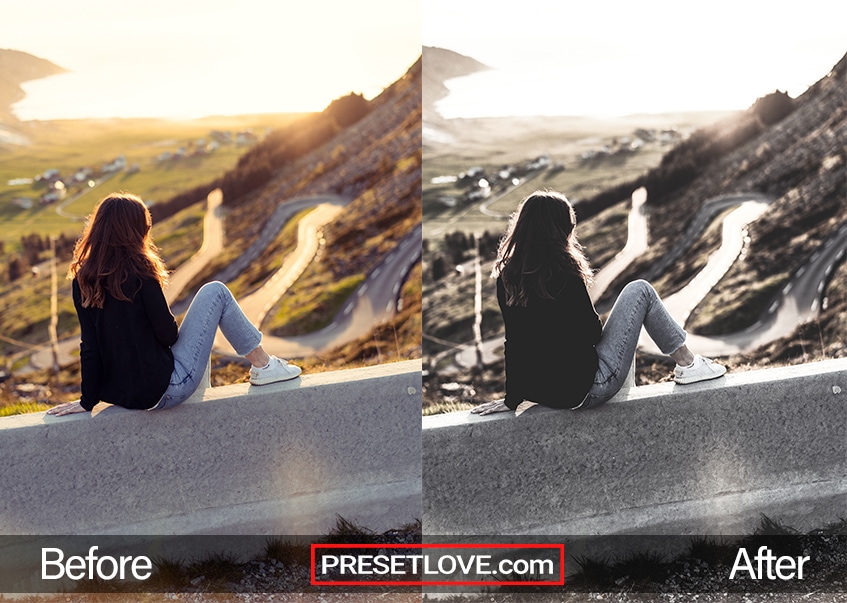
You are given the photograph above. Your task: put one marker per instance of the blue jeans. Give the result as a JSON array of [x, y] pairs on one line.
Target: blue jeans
[[213, 306], [638, 305]]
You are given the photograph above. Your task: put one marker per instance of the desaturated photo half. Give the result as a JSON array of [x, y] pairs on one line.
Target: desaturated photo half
[[634, 296]]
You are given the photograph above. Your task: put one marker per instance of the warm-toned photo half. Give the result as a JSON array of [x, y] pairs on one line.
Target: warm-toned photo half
[[210, 280]]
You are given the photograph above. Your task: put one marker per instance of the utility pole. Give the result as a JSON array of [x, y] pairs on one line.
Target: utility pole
[[54, 307], [477, 304]]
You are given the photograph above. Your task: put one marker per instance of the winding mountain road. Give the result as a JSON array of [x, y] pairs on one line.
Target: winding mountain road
[[213, 244], [373, 302], [703, 217], [734, 235], [799, 300], [257, 304], [636, 244]]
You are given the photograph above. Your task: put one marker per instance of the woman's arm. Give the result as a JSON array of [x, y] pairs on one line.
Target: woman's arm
[[91, 366], [161, 318], [585, 319]]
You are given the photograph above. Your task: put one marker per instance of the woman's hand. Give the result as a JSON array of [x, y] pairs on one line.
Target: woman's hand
[[67, 408], [490, 407]]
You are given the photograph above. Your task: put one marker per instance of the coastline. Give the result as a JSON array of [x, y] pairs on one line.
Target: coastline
[[19, 68]]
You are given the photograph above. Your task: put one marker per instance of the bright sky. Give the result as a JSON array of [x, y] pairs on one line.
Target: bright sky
[[622, 56], [218, 56]]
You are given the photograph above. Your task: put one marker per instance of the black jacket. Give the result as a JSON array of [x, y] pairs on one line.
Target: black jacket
[[550, 355], [126, 346]]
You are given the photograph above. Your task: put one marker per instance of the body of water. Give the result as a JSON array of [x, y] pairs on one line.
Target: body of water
[[149, 91], [540, 90], [613, 86]]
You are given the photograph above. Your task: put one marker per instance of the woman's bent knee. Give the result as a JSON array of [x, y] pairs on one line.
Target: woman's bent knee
[[213, 288], [638, 287]]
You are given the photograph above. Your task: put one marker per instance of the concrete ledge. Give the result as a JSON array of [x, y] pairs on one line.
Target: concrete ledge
[[277, 459], [663, 459]]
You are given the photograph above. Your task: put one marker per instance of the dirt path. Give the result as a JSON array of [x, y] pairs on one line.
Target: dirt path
[[636, 244], [373, 302], [213, 244]]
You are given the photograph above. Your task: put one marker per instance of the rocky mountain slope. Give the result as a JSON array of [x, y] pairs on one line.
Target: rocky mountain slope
[[801, 162], [376, 164]]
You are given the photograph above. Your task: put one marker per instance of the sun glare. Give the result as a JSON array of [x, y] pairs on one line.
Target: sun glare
[[616, 57], [190, 59]]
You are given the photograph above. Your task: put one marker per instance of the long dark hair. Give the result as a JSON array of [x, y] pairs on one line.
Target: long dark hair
[[539, 244], [115, 245]]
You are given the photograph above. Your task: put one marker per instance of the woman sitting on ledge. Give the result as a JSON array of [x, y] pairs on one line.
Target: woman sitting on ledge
[[132, 353], [557, 352]]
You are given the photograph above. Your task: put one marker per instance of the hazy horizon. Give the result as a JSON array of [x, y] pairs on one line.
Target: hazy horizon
[[617, 58], [195, 59]]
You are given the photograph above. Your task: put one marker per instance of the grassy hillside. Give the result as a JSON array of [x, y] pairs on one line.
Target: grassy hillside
[[69, 145], [25, 303]]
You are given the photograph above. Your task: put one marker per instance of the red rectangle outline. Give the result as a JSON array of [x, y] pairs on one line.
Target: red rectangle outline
[[560, 582]]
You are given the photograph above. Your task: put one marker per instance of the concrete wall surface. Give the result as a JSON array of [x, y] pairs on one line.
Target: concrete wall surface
[[705, 458], [277, 459]]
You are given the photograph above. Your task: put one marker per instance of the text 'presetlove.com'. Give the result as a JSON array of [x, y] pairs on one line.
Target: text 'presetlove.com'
[[438, 565]]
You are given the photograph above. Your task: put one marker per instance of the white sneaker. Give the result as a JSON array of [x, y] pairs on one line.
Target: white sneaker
[[702, 369], [277, 370]]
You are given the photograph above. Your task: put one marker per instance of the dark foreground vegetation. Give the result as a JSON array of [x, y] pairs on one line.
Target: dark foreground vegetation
[[282, 566], [699, 574]]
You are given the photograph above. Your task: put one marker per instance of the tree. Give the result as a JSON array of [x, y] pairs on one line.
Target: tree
[[774, 107], [349, 109], [33, 245], [439, 268], [16, 268]]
